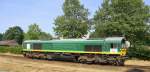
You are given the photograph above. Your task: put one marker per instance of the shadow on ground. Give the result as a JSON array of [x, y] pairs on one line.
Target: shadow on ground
[[135, 70]]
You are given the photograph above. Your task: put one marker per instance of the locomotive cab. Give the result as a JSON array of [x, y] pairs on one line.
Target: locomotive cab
[[117, 45], [125, 45]]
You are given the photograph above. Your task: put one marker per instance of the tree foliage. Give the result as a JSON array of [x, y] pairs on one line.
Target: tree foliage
[[147, 39], [1, 36], [140, 52], [35, 33], [45, 36], [122, 17], [14, 33], [74, 22]]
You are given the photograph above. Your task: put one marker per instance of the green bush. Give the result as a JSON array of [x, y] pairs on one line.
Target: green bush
[[140, 52], [15, 50]]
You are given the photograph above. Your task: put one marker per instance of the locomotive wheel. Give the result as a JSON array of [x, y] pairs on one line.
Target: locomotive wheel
[[121, 62], [114, 63], [28, 55], [83, 61], [118, 63], [49, 57], [24, 55], [76, 59]]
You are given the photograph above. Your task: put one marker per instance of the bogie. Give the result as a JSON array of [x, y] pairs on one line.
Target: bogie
[[83, 58]]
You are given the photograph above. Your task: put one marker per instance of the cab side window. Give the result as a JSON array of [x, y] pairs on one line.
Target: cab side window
[[113, 45]]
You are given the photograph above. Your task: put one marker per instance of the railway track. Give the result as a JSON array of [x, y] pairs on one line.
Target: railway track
[[65, 66]]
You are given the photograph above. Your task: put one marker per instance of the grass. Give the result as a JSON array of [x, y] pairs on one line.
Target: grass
[[14, 50]]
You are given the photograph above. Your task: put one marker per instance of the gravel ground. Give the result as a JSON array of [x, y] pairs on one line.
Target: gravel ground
[[17, 63]]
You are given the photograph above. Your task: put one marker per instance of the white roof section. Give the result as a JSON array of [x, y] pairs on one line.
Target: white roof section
[[114, 38]]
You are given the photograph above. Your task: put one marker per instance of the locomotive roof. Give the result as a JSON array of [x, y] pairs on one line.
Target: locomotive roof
[[61, 40], [109, 39], [114, 39]]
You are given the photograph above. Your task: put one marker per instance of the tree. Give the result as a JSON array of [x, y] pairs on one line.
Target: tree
[[45, 36], [1, 36], [74, 22], [14, 33], [122, 17], [147, 39], [33, 32], [101, 18]]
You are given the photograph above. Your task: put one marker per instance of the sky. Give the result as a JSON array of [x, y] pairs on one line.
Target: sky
[[42, 12]]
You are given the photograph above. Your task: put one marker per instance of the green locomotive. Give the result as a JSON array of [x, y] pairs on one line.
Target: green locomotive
[[107, 50]]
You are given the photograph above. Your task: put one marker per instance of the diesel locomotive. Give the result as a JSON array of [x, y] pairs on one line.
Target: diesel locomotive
[[110, 50]]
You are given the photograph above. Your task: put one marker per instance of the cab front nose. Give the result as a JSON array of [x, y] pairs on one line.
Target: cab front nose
[[123, 51]]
